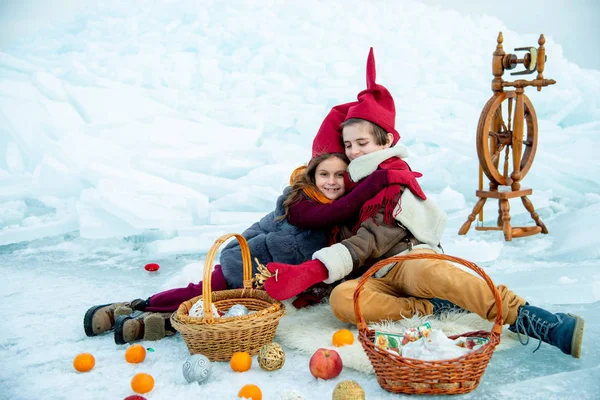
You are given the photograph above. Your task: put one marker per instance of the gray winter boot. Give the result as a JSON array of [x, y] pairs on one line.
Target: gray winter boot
[[441, 306], [144, 326], [99, 319], [564, 331]]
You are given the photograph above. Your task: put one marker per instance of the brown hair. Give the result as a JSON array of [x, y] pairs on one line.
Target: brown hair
[[307, 179], [378, 133]]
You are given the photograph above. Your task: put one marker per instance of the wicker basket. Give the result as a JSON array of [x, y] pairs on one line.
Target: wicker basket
[[219, 338], [397, 374]]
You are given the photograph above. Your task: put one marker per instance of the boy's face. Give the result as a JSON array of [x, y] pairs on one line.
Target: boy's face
[[359, 141], [329, 177]]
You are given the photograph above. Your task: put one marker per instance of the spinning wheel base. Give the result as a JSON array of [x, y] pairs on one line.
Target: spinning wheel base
[[516, 232], [504, 214]]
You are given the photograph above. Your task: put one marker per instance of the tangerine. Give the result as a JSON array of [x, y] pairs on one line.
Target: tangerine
[[250, 392], [135, 354], [84, 362], [142, 383], [240, 361], [342, 338]]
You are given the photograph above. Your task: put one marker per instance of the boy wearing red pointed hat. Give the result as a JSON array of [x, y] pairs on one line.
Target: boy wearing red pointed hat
[[399, 221]]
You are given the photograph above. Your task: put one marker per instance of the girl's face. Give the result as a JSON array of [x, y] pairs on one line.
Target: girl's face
[[329, 177], [359, 141]]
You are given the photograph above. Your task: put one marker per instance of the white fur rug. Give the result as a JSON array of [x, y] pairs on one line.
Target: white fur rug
[[311, 328]]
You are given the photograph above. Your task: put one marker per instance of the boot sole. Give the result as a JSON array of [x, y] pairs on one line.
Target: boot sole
[[87, 320], [119, 338], [577, 336]]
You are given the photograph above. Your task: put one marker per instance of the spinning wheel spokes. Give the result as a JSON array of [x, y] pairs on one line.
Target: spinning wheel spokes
[[495, 135]]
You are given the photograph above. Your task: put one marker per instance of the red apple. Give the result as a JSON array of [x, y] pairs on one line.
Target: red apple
[[325, 364]]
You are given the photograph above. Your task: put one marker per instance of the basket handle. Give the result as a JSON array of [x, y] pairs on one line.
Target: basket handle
[[360, 321], [208, 262]]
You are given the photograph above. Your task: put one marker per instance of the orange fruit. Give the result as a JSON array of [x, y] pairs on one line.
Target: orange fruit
[[142, 383], [84, 362], [342, 338], [250, 392], [240, 361], [135, 354]]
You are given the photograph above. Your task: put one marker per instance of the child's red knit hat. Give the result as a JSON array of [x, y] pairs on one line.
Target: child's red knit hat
[[329, 136], [375, 104]]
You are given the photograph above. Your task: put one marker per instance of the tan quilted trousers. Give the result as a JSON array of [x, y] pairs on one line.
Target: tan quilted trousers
[[404, 291]]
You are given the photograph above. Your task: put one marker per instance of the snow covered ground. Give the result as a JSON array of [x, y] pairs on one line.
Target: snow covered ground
[[140, 132]]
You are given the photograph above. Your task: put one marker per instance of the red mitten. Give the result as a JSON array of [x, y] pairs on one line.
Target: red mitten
[[290, 280], [407, 178]]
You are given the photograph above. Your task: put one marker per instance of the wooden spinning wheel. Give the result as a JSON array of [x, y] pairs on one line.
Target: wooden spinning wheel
[[507, 136]]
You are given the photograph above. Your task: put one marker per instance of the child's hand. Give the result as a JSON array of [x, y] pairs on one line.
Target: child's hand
[[290, 280]]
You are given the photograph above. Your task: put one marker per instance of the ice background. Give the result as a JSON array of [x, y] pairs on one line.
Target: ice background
[[135, 132]]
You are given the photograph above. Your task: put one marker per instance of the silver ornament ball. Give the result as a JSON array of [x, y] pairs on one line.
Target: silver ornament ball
[[196, 368], [237, 310]]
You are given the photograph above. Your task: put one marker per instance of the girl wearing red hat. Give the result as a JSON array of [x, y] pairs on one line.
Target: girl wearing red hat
[[399, 221], [304, 221]]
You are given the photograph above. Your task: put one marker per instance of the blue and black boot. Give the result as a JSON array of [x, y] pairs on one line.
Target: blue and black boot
[[564, 331], [441, 306]]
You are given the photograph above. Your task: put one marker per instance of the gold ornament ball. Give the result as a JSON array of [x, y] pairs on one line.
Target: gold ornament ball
[[271, 357], [348, 390]]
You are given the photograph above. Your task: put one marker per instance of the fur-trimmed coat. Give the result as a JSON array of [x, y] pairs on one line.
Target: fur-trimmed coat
[[271, 240]]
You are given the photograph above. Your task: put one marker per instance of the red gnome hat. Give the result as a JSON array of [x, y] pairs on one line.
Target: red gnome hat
[[329, 136], [375, 104]]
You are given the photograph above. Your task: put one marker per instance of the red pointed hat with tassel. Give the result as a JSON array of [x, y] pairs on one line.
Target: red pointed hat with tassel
[[375, 104], [329, 135]]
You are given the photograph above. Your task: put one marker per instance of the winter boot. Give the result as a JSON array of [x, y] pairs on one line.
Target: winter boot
[[157, 326], [564, 331], [441, 306], [144, 326], [99, 319]]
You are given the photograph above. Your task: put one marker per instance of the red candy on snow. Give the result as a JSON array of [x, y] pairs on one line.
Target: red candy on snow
[[152, 267], [135, 397]]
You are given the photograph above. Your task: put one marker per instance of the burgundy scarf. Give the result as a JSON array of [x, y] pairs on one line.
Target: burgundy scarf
[[402, 176]]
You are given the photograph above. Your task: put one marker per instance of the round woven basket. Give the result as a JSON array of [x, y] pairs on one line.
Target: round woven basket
[[397, 374], [219, 338]]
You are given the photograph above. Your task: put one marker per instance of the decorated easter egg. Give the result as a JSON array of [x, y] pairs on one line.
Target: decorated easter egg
[[197, 368]]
